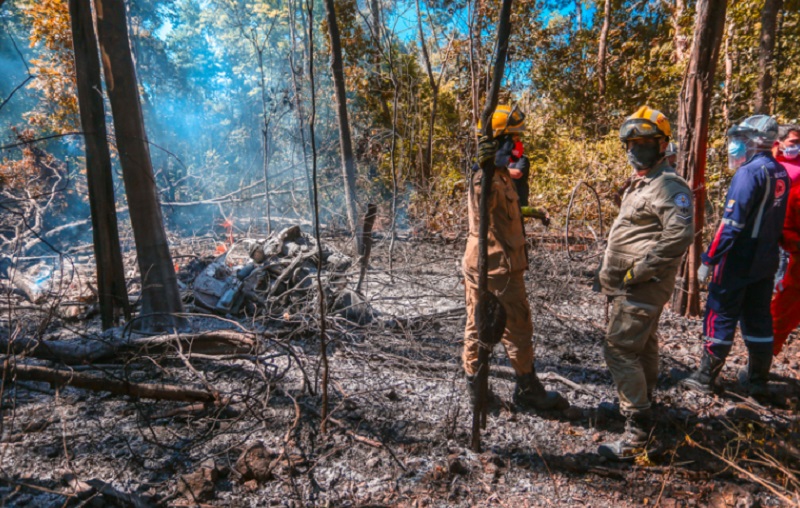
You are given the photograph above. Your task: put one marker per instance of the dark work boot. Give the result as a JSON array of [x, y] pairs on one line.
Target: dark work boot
[[633, 442], [529, 393], [755, 376], [703, 378]]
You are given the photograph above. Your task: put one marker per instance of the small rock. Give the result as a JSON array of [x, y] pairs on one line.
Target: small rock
[[254, 463], [456, 466], [198, 486], [596, 437], [251, 485]]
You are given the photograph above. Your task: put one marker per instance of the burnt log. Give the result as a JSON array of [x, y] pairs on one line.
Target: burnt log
[[158, 391]]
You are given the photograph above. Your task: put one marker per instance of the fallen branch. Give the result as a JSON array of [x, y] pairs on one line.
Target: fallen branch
[[86, 352], [109, 494], [92, 382], [777, 490]]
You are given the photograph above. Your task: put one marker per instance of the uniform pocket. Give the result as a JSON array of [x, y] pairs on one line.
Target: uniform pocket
[[640, 212], [512, 202], [613, 271], [630, 324]]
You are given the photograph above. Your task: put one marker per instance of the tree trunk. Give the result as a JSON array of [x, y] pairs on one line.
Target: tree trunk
[[111, 289], [766, 48], [678, 38], [427, 156], [161, 300], [482, 318], [345, 140], [300, 110], [579, 14], [728, 97], [602, 50], [695, 103], [265, 119]]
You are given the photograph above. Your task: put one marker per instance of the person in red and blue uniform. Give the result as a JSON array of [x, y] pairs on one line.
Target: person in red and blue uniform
[[743, 257]]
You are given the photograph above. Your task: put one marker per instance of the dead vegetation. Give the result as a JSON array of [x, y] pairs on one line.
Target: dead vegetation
[[228, 413]]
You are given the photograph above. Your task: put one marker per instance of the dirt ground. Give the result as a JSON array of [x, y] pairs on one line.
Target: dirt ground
[[399, 432]]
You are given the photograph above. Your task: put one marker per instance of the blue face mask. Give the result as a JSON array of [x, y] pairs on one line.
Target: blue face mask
[[737, 153], [791, 151]]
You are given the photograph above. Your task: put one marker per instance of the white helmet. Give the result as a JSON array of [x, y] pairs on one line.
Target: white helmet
[[755, 134]]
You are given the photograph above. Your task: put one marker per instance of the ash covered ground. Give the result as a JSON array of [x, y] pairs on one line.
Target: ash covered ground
[[399, 429]]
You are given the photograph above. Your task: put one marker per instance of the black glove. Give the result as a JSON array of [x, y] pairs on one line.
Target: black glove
[[504, 156], [545, 220], [487, 148]]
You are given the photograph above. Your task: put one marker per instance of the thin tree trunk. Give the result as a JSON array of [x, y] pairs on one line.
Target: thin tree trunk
[[427, 156], [111, 289], [300, 111], [603, 50], [579, 14], [678, 38], [474, 66], [161, 300], [482, 307], [264, 132], [693, 122], [766, 49], [323, 339], [728, 97], [345, 140]]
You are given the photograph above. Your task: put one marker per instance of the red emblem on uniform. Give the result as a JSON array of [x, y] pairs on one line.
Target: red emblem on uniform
[[780, 189]]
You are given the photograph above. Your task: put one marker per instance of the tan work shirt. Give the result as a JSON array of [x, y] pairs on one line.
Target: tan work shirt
[[506, 241], [654, 227]]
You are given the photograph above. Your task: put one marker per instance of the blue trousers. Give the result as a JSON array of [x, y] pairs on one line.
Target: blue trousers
[[736, 302]]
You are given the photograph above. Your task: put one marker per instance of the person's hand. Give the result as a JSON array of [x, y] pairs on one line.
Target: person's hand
[[628, 277], [515, 173], [703, 272], [487, 148]]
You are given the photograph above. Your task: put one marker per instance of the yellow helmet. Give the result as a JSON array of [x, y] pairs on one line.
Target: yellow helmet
[[645, 123], [506, 120]]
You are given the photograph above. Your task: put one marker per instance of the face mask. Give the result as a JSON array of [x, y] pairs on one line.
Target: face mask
[[737, 153], [791, 151], [644, 156]]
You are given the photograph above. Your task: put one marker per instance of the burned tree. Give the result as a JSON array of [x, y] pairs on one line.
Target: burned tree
[[489, 313], [345, 139], [766, 50], [602, 51], [112, 293], [693, 118], [161, 300]]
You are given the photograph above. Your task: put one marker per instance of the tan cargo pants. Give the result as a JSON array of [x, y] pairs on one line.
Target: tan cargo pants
[[631, 351], [510, 290]]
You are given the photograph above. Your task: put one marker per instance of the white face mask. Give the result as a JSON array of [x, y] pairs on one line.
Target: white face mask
[[791, 151]]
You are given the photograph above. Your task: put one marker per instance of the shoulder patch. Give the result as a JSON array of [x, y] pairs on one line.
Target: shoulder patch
[[682, 200], [780, 189]]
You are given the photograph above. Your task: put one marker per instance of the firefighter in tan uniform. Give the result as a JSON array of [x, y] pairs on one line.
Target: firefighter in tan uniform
[[506, 265], [650, 235]]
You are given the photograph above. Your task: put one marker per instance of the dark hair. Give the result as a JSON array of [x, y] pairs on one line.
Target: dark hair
[[786, 129]]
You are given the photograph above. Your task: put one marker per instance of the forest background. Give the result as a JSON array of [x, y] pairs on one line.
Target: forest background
[[224, 89]]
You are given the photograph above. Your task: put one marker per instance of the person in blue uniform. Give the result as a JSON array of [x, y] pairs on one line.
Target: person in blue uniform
[[743, 257]]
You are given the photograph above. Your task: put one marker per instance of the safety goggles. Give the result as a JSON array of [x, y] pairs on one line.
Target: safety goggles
[[639, 128], [516, 117]]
